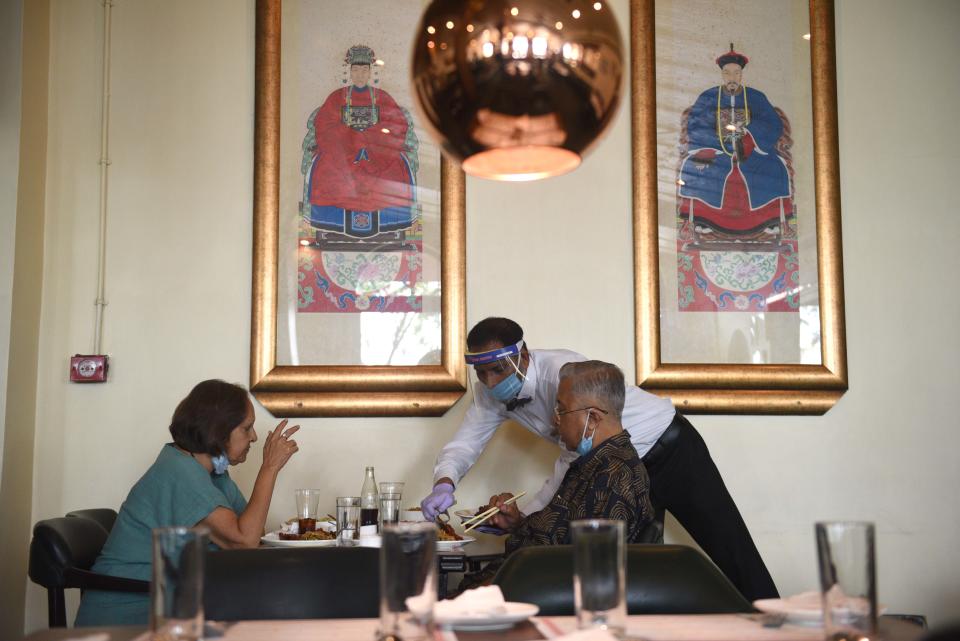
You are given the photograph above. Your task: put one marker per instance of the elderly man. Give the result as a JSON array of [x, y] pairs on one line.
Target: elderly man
[[521, 385], [606, 480]]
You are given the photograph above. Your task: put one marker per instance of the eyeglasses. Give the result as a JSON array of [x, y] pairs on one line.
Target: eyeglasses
[[558, 413]]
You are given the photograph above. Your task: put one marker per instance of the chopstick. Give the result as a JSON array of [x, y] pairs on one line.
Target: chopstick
[[483, 516]]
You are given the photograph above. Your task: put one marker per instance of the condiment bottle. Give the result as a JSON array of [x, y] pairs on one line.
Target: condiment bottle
[[369, 504]]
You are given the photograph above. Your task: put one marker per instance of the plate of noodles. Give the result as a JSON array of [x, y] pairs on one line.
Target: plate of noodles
[[308, 540], [446, 545]]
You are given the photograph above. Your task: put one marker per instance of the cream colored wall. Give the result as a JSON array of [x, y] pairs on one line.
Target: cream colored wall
[[178, 289]]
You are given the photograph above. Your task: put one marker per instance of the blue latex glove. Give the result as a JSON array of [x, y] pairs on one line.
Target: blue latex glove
[[439, 501]]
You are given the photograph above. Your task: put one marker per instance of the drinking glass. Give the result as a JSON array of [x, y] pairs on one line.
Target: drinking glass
[[308, 504], [348, 519], [408, 580], [391, 493], [176, 593], [599, 574], [848, 579]]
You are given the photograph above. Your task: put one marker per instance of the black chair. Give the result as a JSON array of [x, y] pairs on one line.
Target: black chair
[[661, 579], [105, 516], [62, 552], [292, 583]]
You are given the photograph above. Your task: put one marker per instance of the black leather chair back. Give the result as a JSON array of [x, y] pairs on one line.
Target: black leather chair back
[[62, 552], [292, 583], [105, 516], [661, 579]]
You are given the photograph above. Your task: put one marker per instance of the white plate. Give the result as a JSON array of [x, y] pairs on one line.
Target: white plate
[[446, 546], [273, 539], [795, 613], [465, 514], [802, 609], [515, 613]]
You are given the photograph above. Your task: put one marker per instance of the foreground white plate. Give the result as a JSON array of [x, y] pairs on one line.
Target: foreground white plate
[[802, 611], [515, 612], [446, 546], [273, 539]]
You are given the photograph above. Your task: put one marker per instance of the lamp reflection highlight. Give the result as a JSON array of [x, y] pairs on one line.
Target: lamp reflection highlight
[[513, 92]]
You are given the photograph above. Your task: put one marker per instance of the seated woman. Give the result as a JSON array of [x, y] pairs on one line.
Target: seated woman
[[607, 481], [189, 485]]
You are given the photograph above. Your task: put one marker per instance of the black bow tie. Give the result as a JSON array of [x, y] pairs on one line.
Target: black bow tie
[[518, 402]]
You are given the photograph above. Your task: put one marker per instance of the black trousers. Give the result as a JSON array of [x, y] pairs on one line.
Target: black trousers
[[685, 481]]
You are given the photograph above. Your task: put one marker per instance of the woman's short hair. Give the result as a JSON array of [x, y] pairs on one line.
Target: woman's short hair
[[599, 380], [203, 420], [494, 330]]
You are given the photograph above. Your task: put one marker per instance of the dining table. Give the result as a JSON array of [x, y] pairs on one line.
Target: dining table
[[655, 627]]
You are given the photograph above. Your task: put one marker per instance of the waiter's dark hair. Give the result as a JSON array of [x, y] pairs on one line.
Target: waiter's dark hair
[[203, 420], [494, 330]]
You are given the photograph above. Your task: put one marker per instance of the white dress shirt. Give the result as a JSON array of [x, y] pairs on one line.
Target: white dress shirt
[[645, 417]]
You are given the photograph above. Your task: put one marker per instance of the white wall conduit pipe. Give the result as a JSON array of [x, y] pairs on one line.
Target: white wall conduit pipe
[[100, 301]]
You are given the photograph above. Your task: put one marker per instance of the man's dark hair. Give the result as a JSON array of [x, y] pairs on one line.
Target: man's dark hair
[[203, 420], [494, 330]]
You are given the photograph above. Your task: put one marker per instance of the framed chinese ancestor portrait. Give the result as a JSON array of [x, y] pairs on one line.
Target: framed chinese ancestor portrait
[[358, 266], [739, 283]]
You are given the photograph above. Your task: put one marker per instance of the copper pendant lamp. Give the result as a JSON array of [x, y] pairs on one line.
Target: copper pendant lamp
[[521, 89]]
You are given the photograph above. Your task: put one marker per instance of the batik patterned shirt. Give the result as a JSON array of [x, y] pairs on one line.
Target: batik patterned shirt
[[608, 482]]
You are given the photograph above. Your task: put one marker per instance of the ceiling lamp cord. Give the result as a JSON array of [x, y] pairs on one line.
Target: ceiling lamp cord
[[100, 301]]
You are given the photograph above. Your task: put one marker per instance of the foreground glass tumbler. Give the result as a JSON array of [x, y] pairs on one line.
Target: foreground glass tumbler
[[348, 520], [176, 593], [848, 579], [599, 574], [408, 580], [308, 506]]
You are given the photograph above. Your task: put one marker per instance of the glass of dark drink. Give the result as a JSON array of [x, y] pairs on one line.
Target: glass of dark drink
[[308, 503]]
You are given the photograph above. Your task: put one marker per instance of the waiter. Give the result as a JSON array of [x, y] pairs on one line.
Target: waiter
[[521, 385]]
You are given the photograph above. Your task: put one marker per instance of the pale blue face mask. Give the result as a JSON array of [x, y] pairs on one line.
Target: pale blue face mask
[[220, 463], [585, 444], [507, 389]]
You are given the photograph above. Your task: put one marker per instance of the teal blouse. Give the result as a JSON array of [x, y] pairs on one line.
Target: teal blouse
[[176, 491]]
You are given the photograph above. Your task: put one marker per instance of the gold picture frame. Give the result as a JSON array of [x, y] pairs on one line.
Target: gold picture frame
[[722, 388], [341, 390]]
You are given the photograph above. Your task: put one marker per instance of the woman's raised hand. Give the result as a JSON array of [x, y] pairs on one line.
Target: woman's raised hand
[[279, 447]]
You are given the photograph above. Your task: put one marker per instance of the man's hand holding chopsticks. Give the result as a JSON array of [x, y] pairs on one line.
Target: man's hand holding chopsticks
[[508, 518]]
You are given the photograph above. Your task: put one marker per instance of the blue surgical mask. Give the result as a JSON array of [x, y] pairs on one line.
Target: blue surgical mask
[[220, 463], [507, 389], [585, 444]]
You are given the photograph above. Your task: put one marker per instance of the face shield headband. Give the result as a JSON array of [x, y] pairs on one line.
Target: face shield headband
[[482, 358]]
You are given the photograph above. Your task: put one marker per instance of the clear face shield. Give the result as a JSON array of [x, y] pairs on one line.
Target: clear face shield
[[493, 363]]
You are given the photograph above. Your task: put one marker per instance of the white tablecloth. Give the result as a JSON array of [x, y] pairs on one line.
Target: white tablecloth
[[723, 627]]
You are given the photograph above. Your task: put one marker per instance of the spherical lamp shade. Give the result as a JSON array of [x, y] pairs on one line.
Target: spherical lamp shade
[[517, 90]]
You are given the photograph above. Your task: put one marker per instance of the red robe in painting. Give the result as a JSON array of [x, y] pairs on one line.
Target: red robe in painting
[[359, 162]]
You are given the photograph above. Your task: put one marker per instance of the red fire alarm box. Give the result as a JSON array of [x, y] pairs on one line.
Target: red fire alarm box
[[88, 368]]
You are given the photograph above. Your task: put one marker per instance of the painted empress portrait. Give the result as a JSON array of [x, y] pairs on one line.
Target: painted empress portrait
[[360, 222]]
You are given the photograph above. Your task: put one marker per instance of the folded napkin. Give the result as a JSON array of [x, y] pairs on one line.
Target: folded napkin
[[805, 600], [479, 602]]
